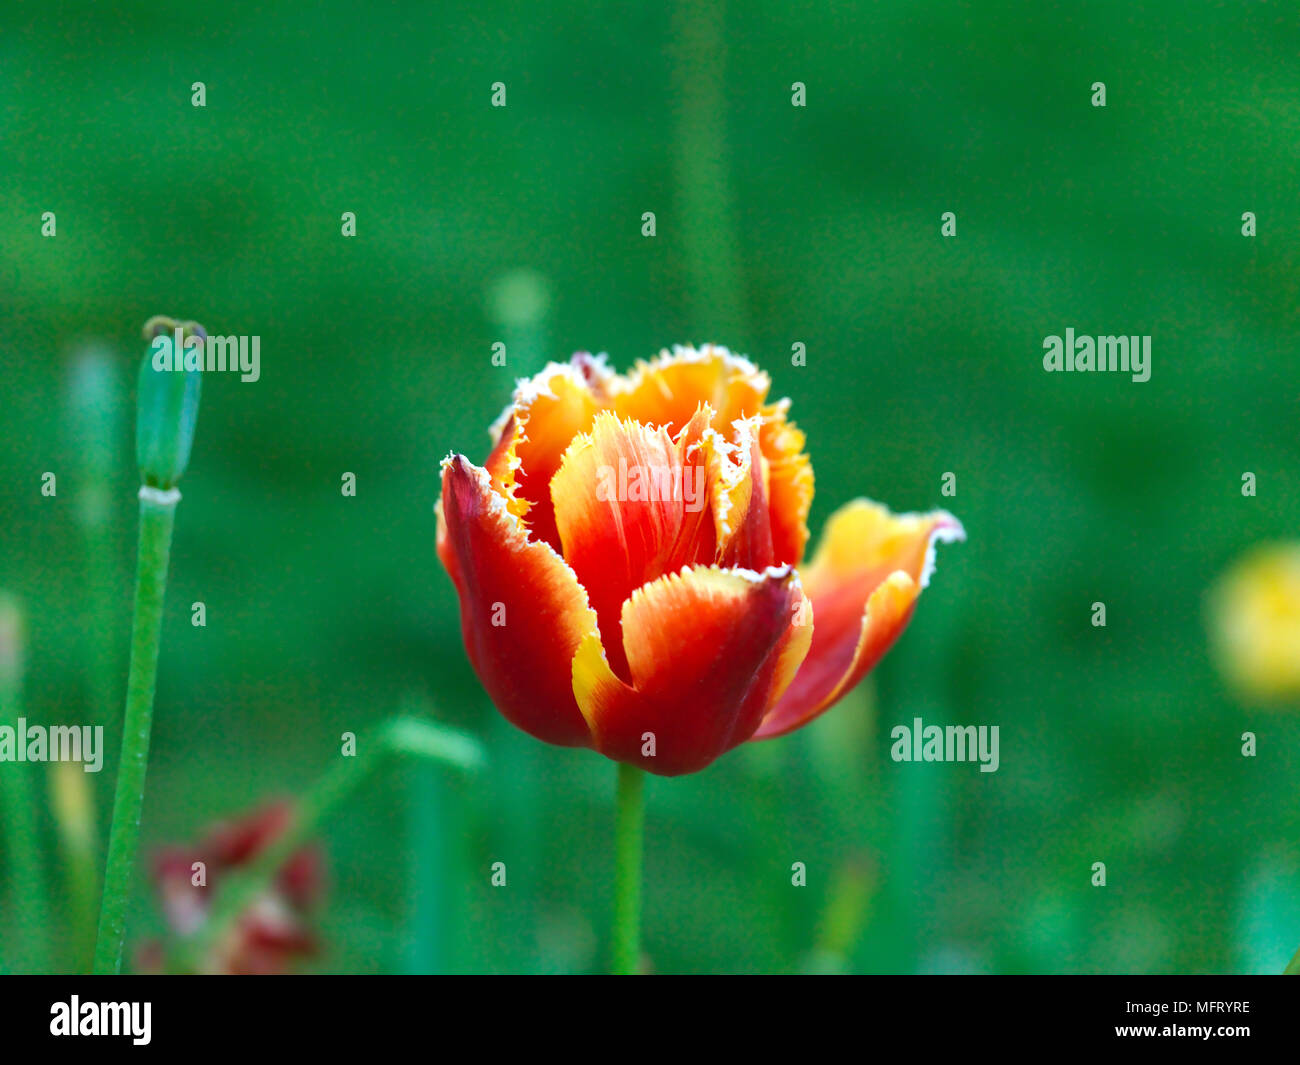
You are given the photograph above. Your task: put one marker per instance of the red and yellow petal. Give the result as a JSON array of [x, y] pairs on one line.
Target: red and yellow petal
[[631, 504], [667, 390], [709, 651], [548, 411], [790, 484], [863, 583], [742, 515], [523, 612]]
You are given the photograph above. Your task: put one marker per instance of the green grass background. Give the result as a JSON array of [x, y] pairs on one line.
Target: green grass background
[[775, 225]]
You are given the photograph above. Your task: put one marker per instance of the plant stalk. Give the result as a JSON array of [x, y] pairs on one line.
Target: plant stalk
[[628, 846], [157, 520]]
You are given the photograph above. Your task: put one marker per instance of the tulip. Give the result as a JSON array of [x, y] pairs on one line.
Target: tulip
[[630, 563]]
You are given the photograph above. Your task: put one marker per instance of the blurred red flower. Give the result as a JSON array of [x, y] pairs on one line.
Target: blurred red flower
[[271, 933]]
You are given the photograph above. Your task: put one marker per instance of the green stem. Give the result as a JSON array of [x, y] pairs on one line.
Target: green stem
[[431, 899], [628, 835], [157, 518], [1293, 966], [81, 841]]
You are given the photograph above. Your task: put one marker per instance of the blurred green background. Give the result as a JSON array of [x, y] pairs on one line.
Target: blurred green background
[[776, 225]]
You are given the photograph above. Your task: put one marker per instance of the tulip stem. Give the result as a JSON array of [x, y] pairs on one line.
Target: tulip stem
[[628, 844], [157, 519]]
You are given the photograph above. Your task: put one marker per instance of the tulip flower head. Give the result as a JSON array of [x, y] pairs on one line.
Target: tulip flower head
[[630, 563]]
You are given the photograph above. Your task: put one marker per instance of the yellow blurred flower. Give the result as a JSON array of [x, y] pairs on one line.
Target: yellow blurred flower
[[1255, 622]]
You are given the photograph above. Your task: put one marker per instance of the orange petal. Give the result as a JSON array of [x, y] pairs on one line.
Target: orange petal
[[863, 583], [631, 504], [790, 484], [523, 613], [548, 411], [742, 516], [667, 390], [709, 651]]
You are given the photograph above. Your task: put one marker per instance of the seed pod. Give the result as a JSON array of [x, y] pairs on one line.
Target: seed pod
[[168, 402]]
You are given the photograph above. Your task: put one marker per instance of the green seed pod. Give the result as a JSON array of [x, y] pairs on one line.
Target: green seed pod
[[169, 401]]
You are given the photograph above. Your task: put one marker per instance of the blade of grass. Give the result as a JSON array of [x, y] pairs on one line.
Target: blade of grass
[[18, 799]]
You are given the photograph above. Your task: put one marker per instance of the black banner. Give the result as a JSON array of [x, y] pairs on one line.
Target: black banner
[[338, 1015]]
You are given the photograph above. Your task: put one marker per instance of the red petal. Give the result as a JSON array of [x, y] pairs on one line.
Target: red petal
[[862, 583], [709, 651], [540, 610], [631, 504], [239, 841], [547, 413], [741, 503], [789, 484]]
